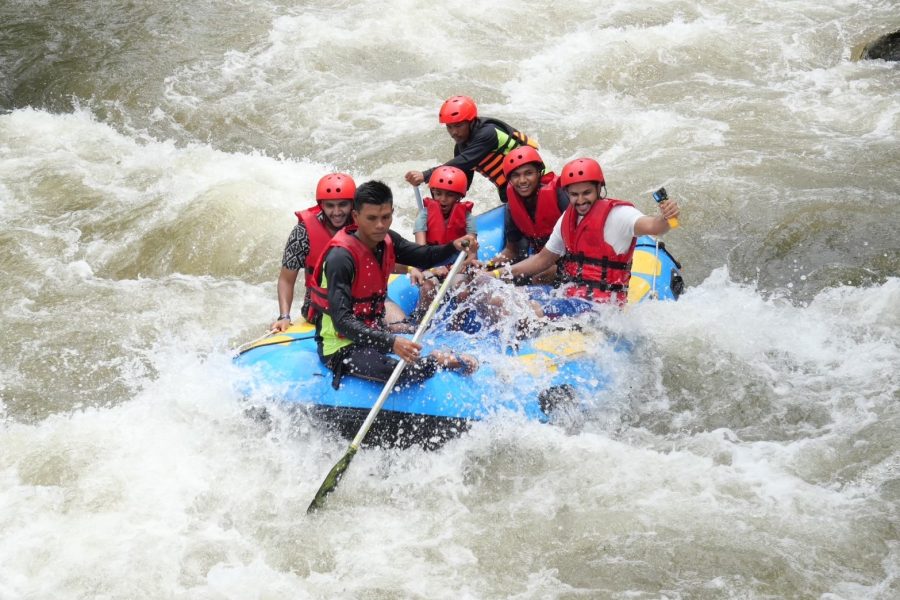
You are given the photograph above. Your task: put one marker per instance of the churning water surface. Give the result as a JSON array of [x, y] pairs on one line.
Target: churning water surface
[[152, 155]]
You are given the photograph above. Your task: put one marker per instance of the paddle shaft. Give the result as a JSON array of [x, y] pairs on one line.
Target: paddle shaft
[[240, 348], [337, 471], [419, 202]]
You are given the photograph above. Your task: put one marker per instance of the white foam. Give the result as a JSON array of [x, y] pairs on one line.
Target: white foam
[[748, 428]]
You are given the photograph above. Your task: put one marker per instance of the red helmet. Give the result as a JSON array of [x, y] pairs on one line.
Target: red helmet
[[522, 155], [457, 109], [580, 170], [450, 179], [336, 186]]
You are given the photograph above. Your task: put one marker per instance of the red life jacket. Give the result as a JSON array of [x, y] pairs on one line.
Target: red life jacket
[[546, 214], [590, 263], [443, 232], [491, 165], [319, 236], [369, 287]]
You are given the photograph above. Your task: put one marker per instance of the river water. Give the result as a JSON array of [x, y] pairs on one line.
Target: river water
[[152, 154]]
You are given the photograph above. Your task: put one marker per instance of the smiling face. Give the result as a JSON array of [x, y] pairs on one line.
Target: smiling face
[[446, 199], [583, 195], [373, 221], [525, 180], [337, 213], [460, 132]]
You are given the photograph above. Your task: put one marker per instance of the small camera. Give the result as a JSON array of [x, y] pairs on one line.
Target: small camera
[[660, 195]]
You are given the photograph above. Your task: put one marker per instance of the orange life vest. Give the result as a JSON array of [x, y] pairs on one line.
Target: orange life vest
[[491, 166]]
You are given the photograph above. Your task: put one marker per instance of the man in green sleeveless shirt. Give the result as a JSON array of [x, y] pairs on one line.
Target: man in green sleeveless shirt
[[351, 286]]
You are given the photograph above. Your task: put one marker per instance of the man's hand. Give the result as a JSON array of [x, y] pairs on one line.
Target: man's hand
[[471, 249], [416, 277], [415, 177], [280, 325], [494, 263], [669, 209], [406, 349]]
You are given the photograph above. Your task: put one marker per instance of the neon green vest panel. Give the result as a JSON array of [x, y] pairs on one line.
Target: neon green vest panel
[[331, 339]]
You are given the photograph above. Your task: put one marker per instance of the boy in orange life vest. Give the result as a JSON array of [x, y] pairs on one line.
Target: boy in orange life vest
[[594, 239], [315, 227], [535, 202], [350, 287], [481, 143]]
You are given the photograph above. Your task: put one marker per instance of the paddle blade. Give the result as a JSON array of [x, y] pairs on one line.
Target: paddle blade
[[331, 480]]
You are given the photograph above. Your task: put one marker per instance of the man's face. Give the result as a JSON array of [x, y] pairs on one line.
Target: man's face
[[525, 180], [460, 131], [446, 199], [373, 221], [583, 195], [337, 212]]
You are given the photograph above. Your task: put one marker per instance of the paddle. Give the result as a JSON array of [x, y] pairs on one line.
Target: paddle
[[419, 202], [240, 349], [337, 471]]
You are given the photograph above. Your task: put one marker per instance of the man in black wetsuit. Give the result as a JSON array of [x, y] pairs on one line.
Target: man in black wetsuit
[[481, 143], [350, 287]]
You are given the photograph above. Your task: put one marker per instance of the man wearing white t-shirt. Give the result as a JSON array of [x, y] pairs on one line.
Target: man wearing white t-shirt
[[594, 239]]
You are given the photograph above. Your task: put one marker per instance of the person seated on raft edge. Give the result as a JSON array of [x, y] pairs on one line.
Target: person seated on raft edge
[[481, 144], [535, 202], [440, 221], [594, 239], [349, 288], [315, 227]]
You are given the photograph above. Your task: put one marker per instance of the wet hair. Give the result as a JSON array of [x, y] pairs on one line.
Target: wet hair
[[372, 192]]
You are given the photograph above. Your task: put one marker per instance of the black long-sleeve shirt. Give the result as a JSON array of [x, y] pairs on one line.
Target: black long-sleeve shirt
[[340, 271], [467, 155]]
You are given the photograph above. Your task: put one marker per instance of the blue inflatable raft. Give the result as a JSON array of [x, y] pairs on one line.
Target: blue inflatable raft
[[528, 376]]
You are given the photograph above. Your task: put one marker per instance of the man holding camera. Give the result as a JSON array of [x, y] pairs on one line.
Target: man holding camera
[[594, 239]]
